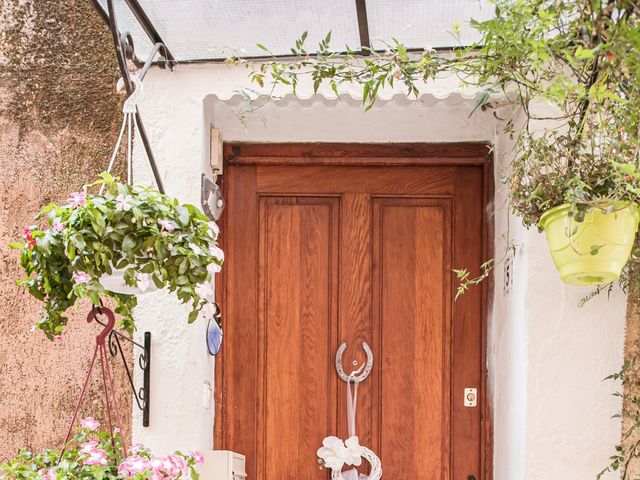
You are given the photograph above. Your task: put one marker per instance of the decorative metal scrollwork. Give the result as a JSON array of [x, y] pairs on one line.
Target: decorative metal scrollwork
[[140, 395]]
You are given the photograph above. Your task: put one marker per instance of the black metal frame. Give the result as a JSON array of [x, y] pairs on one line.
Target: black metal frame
[[142, 395], [124, 52], [363, 26], [169, 60]]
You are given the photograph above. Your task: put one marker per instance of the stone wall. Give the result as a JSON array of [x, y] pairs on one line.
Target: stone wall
[[58, 119]]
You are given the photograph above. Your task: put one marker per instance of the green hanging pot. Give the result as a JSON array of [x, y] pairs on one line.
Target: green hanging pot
[[592, 251]]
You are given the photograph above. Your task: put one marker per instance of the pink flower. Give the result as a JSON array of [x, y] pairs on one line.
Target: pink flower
[[166, 224], [133, 465], [58, 226], [88, 448], [29, 237], [97, 457], [50, 475], [197, 456], [77, 199], [81, 277], [89, 423], [174, 465], [57, 338], [156, 465]]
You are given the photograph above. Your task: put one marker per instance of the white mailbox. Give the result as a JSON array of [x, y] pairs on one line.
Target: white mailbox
[[223, 465]]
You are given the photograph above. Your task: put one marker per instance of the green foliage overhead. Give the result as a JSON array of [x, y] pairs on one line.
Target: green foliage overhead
[[574, 64], [150, 235]]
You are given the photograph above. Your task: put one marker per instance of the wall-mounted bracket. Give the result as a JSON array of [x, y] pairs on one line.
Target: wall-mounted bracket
[[142, 395], [211, 198]]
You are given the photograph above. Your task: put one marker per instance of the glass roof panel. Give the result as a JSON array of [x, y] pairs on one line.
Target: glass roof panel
[[217, 29], [127, 22], [214, 29], [424, 23]]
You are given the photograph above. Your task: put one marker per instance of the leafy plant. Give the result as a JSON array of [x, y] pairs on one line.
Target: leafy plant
[[150, 235], [628, 451], [580, 59], [94, 454]]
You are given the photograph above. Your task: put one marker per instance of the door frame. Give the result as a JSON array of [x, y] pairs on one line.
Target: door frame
[[374, 154]]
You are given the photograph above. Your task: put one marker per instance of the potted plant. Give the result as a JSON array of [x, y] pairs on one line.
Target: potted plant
[[92, 453], [583, 195], [146, 238]]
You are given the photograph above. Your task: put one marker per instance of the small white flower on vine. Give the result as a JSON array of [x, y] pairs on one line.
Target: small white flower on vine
[[214, 229], [209, 310], [333, 453], [214, 268], [143, 281], [203, 290], [195, 248], [123, 202], [169, 246], [166, 224], [217, 252]]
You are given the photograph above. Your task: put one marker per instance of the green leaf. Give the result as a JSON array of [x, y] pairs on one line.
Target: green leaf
[[183, 215], [128, 243], [184, 265]]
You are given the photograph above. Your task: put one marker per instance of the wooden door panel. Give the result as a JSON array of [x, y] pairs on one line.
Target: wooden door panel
[[467, 366], [412, 261], [296, 320], [313, 180], [355, 302], [353, 246]]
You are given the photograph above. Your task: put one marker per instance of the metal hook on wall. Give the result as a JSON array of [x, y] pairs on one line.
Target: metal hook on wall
[[113, 337], [359, 377]]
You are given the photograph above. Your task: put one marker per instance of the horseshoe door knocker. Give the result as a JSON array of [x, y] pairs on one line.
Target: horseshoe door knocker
[[362, 373]]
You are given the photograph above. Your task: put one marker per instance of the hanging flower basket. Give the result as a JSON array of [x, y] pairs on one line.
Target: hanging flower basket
[[592, 246], [93, 453], [124, 241]]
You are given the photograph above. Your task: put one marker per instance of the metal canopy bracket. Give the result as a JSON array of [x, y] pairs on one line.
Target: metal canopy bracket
[[125, 52], [363, 26]]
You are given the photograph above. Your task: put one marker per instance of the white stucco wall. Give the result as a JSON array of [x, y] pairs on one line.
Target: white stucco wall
[[547, 357]]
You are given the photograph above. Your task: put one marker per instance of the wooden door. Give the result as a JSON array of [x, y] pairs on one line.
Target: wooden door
[[330, 243]]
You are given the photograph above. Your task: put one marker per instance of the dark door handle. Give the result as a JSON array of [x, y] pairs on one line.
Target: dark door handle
[[471, 477]]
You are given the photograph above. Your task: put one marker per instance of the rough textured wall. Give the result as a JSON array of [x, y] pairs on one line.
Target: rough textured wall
[[58, 119], [631, 412]]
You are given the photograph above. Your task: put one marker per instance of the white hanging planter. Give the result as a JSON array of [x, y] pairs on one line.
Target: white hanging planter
[[115, 283]]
